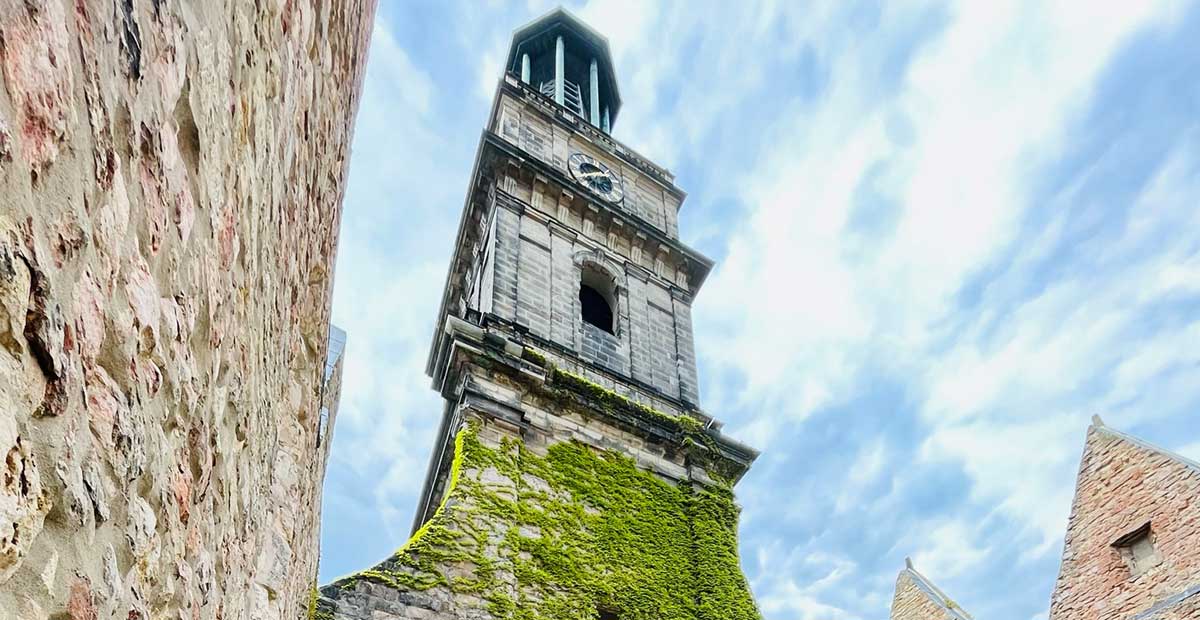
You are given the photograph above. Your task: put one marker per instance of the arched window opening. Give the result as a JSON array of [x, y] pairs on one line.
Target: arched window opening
[[595, 308], [596, 301]]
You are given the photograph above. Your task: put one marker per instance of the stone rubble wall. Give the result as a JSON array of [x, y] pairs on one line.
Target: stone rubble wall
[[1122, 485], [171, 174]]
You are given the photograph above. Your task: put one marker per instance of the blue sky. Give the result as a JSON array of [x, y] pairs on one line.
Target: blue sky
[[946, 235]]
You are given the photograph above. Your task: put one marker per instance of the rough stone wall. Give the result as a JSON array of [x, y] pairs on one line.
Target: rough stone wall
[[911, 602], [171, 176], [1122, 485]]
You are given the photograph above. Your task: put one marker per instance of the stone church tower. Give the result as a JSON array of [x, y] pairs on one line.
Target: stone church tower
[[574, 475]]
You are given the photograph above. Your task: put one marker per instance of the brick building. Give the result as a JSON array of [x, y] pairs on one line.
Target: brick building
[[916, 598], [1132, 548]]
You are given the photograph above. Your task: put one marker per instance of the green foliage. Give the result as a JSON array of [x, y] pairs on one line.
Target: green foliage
[[534, 356], [317, 610], [559, 536], [691, 432]]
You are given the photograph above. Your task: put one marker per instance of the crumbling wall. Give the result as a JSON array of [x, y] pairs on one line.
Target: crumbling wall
[[171, 176]]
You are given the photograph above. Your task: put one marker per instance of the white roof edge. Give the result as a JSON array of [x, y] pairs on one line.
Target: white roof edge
[[936, 595], [1142, 443]]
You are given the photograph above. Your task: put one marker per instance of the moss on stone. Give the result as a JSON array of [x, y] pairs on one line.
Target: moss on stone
[[559, 536], [692, 435], [534, 356], [318, 609], [608, 399]]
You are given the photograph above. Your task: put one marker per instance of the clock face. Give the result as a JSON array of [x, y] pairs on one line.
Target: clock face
[[596, 176]]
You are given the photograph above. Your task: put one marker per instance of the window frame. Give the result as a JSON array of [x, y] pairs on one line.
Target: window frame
[[1139, 563]]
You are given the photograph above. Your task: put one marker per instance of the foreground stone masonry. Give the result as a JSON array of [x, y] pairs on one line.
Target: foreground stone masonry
[[171, 175]]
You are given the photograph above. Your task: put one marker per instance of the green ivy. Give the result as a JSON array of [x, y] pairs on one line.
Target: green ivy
[[605, 398], [561, 536], [318, 609]]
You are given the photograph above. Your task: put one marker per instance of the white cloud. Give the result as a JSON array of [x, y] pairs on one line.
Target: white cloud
[[390, 70], [784, 597], [983, 102], [949, 551], [872, 462], [1011, 407], [395, 238]]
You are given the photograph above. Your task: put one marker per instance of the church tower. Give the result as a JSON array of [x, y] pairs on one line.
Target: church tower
[[574, 474]]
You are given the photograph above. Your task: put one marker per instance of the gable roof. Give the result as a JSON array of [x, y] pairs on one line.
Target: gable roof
[[1099, 426], [933, 593]]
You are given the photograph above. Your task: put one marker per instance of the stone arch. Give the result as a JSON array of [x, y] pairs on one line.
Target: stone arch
[[600, 284], [596, 260]]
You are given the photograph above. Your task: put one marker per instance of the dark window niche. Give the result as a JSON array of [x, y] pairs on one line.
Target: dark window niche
[[1138, 550], [595, 309]]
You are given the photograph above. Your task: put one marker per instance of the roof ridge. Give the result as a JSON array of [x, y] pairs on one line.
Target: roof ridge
[[1100, 426], [935, 593]]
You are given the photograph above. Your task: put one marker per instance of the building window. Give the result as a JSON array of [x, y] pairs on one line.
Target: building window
[[1137, 549], [597, 300]]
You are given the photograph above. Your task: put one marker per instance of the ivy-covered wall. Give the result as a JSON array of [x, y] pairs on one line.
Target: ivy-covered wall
[[560, 531]]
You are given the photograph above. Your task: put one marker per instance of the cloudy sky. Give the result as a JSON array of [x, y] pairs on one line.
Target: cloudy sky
[[946, 235]]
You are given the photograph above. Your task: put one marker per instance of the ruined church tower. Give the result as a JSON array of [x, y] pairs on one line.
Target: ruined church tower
[[574, 475]]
